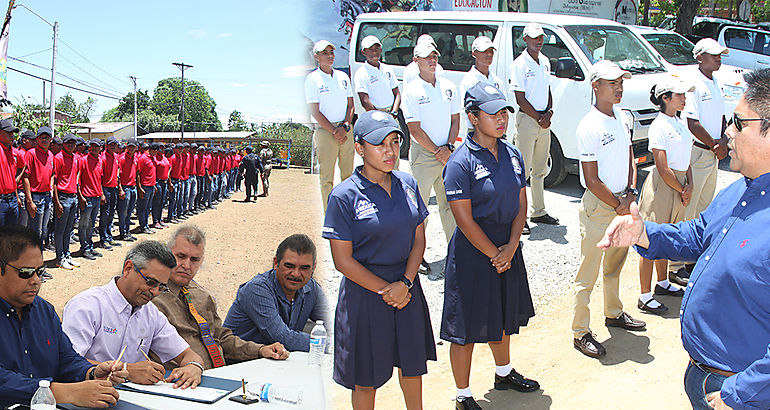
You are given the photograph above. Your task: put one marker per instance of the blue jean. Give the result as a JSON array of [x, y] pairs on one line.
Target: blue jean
[[181, 196], [23, 215], [222, 184], [193, 181], [207, 190], [39, 223], [87, 219], [698, 383], [144, 204], [173, 195], [125, 209], [64, 225], [200, 188], [107, 213], [9, 211], [158, 200]]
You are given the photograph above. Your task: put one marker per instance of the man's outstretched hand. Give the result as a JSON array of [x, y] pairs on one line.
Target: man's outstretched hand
[[624, 230]]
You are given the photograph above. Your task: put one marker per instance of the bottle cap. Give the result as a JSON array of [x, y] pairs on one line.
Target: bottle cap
[[319, 322], [44, 383]]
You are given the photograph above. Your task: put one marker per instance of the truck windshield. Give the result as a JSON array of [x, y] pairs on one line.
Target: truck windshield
[[674, 48], [616, 44]]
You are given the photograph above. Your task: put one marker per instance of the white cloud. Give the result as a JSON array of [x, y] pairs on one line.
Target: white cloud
[[237, 85], [224, 35], [295, 71], [197, 33]]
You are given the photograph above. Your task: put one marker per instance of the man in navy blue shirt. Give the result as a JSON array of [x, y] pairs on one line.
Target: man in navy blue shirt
[[725, 314], [34, 346]]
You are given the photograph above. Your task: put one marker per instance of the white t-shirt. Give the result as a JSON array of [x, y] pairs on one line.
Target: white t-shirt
[[331, 92], [471, 78], [412, 71], [533, 78], [605, 140], [706, 104], [431, 106], [670, 134], [378, 83]]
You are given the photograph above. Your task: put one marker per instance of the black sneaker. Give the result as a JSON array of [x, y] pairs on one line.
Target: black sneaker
[[114, 244], [680, 277], [526, 230], [589, 346], [95, 253], [87, 255], [466, 403], [106, 245], [544, 219], [515, 381]]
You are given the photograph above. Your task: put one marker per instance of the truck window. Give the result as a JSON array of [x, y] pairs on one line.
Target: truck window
[[553, 48], [705, 29], [766, 45], [740, 39], [454, 42], [398, 40], [616, 44]]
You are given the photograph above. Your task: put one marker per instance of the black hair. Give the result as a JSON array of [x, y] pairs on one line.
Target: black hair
[[145, 251], [758, 96], [658, 101], [14, 240], [299, 243]]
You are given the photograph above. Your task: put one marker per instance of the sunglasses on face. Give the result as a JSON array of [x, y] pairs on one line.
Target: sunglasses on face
[[739, 122], [26, 273], [153, 283]]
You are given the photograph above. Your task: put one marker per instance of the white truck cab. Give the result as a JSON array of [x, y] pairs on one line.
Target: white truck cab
[[572, 45]]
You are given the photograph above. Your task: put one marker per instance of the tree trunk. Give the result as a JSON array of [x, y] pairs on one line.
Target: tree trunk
[[730, 10], [685, 15], [646, 17]]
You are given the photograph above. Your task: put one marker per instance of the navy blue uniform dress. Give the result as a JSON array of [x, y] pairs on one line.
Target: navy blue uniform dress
[[370, 336], [479, 303]]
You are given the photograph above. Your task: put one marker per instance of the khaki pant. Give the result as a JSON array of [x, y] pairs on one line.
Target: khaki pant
[[534, 142], [329, 152], [704, 166], [594, 217], [427, 170]]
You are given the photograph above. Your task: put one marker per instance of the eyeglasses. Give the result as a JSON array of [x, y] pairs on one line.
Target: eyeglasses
[[739, 122], [26, 273], [153, 283]]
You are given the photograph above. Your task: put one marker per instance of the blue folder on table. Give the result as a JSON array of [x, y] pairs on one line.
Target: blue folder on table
[[121, 405], [206, 381]]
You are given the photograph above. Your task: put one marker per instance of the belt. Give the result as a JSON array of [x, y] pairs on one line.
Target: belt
[[174, 179], [701, 145], [128, 186], [162, 180], [67, 194], [8, 197], [711, 369]]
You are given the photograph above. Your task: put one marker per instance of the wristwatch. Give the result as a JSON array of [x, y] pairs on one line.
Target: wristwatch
[[406, 282], [632, 191]]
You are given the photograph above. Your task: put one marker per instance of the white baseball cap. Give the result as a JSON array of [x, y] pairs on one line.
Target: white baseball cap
[[321, 46], [424, 49], [426, 38], [369, 41], [533, 30], [708, 45], [482, 43], [607, 70], [673, 84]]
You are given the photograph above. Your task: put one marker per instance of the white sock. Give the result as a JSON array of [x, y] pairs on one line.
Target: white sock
[[665, 284], [503, 370], [647, 297], [466, 392]]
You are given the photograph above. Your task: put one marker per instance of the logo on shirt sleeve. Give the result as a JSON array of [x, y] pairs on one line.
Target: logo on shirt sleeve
[[516, 165], [448, 94], [454, 192], [344, 83], [328, 229], [410, 194], [480, 172], [365, 209]]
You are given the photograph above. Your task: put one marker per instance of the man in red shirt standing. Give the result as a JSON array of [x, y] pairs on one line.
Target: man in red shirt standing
[[9, 205], [111, 190], [162, 170], [37, 183], [65, 189], [199, 178], [207, 179], [28, 141], [193, 181], [91, 196], [127, 201], [145, 184], [174, 185]]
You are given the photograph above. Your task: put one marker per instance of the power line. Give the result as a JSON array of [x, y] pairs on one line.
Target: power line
[[64, 85], [87, 73], [63, 75], [89, 61], [36, 52]]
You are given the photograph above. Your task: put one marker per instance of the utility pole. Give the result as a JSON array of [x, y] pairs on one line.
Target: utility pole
[[52, 116], [182, 66], [133, 80]]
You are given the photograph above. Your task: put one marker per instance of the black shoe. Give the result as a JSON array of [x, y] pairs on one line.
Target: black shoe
[[87, 255], [106, 245], [515, 381], [625, 321], [95, 253], [589, 346], [544, 219], [466, 403], [645, 307], [424, 267], [660, 290], [680, 277], [114, 244], [526, 230]]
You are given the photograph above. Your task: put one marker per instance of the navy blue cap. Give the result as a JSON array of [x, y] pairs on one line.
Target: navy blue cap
[[194, 145], [487, 98], [44, 130], [69, 137], [112, 140], [7, 125], [374, 126], [154, 146], [80, 140], [144, 145], [28, 134], [132, 142], [57, 141], [95, 141]]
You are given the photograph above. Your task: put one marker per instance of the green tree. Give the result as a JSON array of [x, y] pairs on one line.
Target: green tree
[[199, 106], [685, 14], [761, 11], [236, 122], [78, 112]]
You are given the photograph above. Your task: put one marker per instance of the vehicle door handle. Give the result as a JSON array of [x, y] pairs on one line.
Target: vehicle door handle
[[763, 62]]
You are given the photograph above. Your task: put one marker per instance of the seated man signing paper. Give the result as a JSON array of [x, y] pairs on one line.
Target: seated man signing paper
[[102, 320]]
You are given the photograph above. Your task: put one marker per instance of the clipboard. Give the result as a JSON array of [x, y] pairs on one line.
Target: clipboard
[[226, 385]]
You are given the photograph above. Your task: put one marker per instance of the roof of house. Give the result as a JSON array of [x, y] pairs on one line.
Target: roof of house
[[235, 135], [105, 127]]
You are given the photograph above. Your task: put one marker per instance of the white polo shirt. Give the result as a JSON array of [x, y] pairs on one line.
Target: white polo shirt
[[378, 83], [412, 71], [331, 92], [533, 78], [605, 140], [431, 106], [474, 76], [671, 134], [706, 104]]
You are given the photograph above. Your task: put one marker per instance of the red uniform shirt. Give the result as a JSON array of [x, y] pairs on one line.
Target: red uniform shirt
[[90, 168], [65, 167], [127, 165], [190, 164], [215, 164], [162, 166], [176, 166], [9, 164], [40, 168], [200, 165], [20, 163], [111, 166], [146, 169], [183, 164]]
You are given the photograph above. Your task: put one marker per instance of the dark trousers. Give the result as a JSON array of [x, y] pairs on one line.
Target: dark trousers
[[251, 183], [107, 213]]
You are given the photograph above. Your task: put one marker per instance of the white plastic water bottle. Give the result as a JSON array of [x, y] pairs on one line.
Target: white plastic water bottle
[[317, 344], [43, 398], [279, 394]]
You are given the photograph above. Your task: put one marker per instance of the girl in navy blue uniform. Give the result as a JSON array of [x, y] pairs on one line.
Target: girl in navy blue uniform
[[374, 223], [486, 297]]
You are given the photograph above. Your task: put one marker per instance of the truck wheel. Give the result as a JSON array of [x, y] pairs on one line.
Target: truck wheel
[[557, 169]]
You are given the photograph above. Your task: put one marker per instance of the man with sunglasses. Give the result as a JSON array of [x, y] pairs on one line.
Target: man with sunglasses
[[725, 317], [34, 347], [102, 320]]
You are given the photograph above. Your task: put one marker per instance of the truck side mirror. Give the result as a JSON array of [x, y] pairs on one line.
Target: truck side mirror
[[565, 68]]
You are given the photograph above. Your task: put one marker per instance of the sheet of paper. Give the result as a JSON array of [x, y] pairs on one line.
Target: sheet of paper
[[199, 393]]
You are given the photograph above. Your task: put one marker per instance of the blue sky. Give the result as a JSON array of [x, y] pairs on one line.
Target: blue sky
[[250, 55]]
